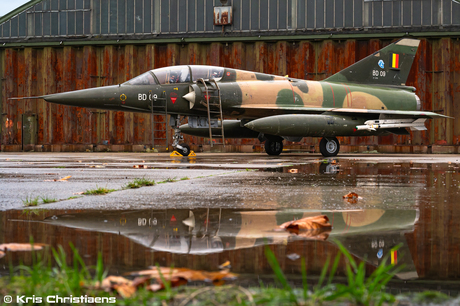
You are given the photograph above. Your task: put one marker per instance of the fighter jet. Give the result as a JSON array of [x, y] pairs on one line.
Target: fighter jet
[[366, 99]]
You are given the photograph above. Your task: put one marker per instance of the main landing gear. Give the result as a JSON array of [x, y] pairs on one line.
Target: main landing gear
[[182, 148], [329, 146], [273, 145]]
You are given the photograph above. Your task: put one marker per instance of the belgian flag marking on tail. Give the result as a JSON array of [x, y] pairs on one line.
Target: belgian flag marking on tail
[[395, 60], [388, 66], [394, 257]]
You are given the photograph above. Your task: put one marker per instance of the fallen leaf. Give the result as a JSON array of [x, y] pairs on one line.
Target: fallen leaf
[[126, 291], [65, 178], [293, 170], [309, 223], [136, 166], [351, 195], [81, 192], [178, 281], [174, 282], [155, 287], [316, 228], [225, 265], [145, 166], [141, 281], [14, 247], [176, 274], [2, 254], [319, 234], [110, 281]]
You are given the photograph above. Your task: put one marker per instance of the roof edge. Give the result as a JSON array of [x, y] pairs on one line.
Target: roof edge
[[18, 10], [179, 40]]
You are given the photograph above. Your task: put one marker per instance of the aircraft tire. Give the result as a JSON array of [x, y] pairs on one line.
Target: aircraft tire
[[329, 147], [185, 151], [273, 147]]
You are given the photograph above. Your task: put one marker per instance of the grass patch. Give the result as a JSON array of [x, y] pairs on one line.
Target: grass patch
[[29, 201], [33, 212], [359, 290], [185, 178], [168, 180], [73, 197], [53, 272], [47, 200], [431, 297], [98, 191], [139, 182], [42, 279]]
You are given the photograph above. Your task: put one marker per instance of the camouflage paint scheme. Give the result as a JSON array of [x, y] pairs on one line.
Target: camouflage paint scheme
[[274, 107]]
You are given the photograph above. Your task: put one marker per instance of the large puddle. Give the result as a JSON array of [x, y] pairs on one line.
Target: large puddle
[[415, 206]]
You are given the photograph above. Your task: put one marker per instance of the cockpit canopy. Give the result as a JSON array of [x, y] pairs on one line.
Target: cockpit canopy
[[177, 74]]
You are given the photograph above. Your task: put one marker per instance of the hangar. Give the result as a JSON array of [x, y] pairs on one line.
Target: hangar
[[51, 46]]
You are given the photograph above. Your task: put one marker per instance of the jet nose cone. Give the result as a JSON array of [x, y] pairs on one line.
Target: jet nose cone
[[92, 98]]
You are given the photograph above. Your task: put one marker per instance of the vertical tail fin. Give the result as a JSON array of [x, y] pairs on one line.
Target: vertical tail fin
[[388, 66]]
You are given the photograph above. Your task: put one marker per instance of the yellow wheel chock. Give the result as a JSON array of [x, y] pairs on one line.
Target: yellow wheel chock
[[177, 154]]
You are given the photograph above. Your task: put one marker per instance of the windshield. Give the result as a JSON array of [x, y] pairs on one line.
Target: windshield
[[207, 72], [173, 75], [143, 79]]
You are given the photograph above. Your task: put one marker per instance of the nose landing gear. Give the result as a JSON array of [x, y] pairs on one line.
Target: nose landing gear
[[182, 148]]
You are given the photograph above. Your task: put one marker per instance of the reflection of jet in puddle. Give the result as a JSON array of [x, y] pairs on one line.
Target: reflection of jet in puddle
[[329, 167], [368, 234]]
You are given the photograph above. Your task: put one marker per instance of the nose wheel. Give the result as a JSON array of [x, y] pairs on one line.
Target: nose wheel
[[329, 146], [184, 149]]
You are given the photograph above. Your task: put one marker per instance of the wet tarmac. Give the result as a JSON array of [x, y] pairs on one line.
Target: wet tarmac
[[219, 207]]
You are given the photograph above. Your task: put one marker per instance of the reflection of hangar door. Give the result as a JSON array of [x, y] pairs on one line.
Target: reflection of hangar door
[[29, 130]]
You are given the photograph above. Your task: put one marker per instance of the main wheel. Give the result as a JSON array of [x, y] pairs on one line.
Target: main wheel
[[185, 151], [329, 146], [273, 147]]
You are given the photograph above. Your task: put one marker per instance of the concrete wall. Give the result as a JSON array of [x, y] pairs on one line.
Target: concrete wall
[[30, 71]]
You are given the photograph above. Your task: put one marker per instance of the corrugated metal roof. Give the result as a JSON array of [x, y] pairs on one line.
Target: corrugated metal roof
[[102, 20]]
